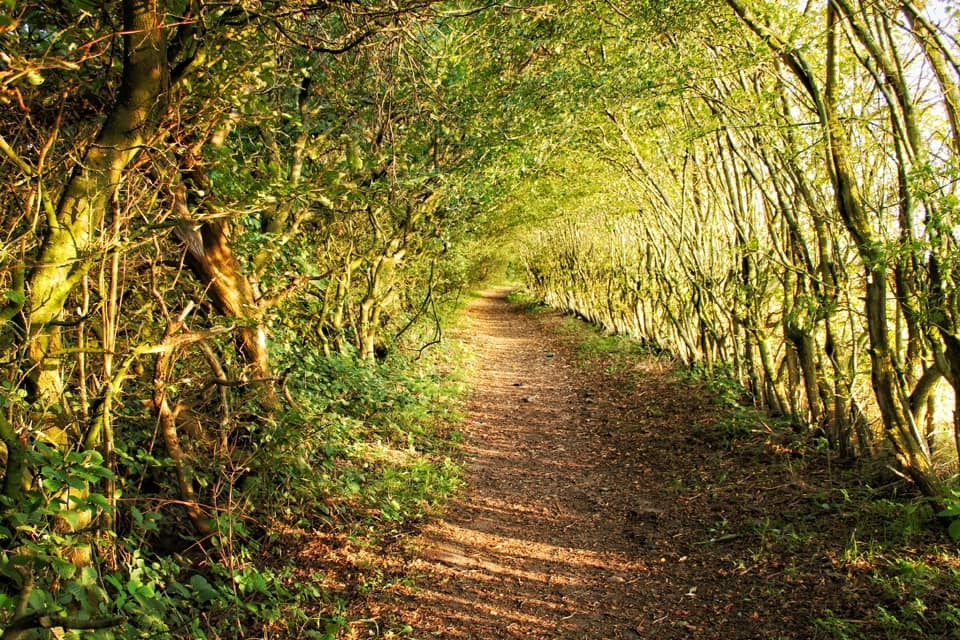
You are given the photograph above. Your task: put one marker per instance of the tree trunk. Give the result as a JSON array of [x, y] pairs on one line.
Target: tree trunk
[[232, 295], [74, 233]]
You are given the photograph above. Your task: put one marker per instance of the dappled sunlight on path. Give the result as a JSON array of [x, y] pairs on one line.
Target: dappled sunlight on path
[[533, 548]]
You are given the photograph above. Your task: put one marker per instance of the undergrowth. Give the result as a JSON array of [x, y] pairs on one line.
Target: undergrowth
[[523, 299], [361, 449], [737, 418], [368, 451], [365, 450], [364, 440]]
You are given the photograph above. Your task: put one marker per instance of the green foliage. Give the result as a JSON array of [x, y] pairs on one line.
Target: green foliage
[[738, 418], [918, 599], [620, 352], [910, 578], [672, 216], [49, 547], [367, 440], [363, 184], [951, 510], [839, 628], [46, 527], [526, 300]]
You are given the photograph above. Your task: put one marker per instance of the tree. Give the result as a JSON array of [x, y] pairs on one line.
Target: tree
[[743, 261]]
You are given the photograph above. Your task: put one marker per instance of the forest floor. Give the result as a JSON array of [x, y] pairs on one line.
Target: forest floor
[[606, 496]]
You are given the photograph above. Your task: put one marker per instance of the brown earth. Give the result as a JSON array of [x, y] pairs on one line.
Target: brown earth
[[590, 512], [606, 497]]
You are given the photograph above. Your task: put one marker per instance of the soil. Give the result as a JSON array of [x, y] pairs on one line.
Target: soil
[[581, 518], [604, 500]]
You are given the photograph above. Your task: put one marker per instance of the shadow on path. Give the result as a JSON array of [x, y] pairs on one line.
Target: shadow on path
[[583, 514], [535, 547]]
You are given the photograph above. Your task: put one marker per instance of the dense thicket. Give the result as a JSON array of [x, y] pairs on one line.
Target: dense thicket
[[783, 204]]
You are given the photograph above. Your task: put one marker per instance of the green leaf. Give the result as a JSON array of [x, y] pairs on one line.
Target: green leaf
[[15, 297], [79, 593], [7, 570], [100, 501], [71, 516], [178, 589], [63, 568], [88, 576], [146, 522], [954, 530], [114, 582], [204, 590], [40, 599]]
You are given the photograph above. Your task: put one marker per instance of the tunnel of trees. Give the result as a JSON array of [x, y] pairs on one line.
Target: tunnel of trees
[[231, 231]]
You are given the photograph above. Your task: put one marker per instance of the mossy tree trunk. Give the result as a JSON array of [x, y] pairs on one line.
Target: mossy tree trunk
[[228, 288], [74, 233]]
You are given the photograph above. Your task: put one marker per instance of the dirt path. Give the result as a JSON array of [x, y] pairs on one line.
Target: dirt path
[[533, 548], [583, 517]]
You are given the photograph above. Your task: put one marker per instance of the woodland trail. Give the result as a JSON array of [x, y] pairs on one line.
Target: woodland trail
[[590, 511]]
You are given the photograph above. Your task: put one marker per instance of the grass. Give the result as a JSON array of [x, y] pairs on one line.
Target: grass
[[905, 603], [526, 301]]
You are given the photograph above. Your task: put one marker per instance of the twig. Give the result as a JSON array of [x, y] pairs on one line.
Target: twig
[[724, 538]]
